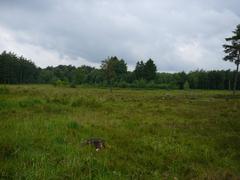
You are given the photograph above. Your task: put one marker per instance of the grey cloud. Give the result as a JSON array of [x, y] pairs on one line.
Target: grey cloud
[[169, 32]]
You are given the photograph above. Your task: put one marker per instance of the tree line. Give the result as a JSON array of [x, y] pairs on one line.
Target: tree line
[[15, 70], [113, 72]]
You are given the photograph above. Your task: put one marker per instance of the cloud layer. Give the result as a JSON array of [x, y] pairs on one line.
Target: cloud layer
[[178, 35]]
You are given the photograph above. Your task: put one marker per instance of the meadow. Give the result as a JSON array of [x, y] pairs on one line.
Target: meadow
[[149, 134]]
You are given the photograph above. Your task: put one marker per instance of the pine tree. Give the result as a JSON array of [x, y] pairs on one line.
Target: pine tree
[[233, 52], [150, 70]]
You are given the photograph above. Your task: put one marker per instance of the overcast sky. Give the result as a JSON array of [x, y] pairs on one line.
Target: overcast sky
[[177, 34]]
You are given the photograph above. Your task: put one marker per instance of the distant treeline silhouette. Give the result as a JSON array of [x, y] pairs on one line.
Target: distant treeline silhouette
[[113, 71]]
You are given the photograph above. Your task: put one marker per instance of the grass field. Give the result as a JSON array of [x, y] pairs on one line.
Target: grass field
[[150, 134]]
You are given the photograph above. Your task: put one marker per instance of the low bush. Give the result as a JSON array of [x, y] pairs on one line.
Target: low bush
[[73, 85], [60, 83]]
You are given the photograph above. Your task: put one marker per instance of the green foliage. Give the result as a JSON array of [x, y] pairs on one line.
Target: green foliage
[[73, 125], [47, 76], [139, 70], [4, 104], [186, 86], [146, 71], [73, 85], [4, 90], [140, 83], [233, 50], [123, 84], [233, 53], [58, 99], [180, 79], [150, 70], [29, 102], [114, 69], [60, 83], [14, 69], [163, 86], [113, 73]]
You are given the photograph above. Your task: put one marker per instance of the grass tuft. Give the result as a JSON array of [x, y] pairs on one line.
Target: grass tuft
[[73, 125], [4, 90], [86, 102]]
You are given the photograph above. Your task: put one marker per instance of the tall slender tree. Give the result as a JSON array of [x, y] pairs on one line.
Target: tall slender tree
[[233, 52], [139, 70]]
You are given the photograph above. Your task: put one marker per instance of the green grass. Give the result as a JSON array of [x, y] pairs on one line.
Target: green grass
[[150, 134]]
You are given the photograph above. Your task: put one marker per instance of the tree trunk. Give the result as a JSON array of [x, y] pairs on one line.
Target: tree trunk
[[229, 84], [111, 88], [110, 85], [235, 79]]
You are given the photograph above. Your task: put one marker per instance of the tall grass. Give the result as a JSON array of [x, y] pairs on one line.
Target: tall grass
[[150, 134]]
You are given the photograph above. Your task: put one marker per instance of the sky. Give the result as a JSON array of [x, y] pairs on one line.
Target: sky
[[177, 34]]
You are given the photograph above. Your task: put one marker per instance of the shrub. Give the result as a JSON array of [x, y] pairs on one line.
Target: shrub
[[173, 86], [186, 85], [73, 85], [140, 83], [163, 86], [60, 83], [122, 84], [151, 84]]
